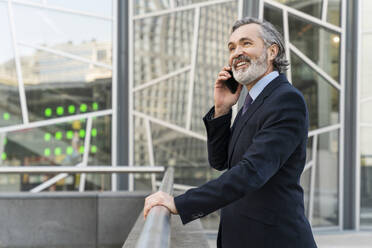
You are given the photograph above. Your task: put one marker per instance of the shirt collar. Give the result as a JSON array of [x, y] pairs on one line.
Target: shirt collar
[[262, 83]]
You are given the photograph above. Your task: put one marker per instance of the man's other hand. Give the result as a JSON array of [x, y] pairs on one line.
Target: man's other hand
[[159, 199]]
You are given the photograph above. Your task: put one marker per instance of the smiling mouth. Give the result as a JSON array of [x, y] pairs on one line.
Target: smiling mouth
[[241, 65]]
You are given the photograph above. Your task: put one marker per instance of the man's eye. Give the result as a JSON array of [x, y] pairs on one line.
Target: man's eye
[[246, 43], [231, 49]]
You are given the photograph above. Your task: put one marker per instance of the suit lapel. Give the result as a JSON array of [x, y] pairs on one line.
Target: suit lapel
[[243, 119]]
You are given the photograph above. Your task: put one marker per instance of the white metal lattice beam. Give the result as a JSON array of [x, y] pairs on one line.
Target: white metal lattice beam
[[55, 121], [183, 8], [304, 16]]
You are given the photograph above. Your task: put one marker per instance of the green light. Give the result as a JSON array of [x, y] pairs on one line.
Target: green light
[[82, 133], [6, 116], [81, 149], [3, 156], [5, 141], [47, 152], [69, 150], [95, 106], [69, 134], [57, 151], [60, 110], [58, 135], [47, 136], [83, 107], [94, 132], [48, 112], [93, 149], [71, 109]]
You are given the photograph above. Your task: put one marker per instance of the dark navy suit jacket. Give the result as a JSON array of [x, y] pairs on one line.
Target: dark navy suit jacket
[[264, 153]]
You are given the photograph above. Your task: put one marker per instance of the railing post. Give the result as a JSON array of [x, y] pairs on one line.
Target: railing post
[[156, 231]]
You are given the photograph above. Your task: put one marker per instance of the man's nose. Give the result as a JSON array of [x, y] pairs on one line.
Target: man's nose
[[237, 52]]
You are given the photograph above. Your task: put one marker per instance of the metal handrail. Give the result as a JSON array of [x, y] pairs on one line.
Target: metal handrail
[[156, 230], [78, 169]]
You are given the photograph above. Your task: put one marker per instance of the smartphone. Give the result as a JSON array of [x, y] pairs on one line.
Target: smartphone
[[231, 83]]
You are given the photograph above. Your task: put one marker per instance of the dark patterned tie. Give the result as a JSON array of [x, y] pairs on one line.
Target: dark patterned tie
[[247, 102]]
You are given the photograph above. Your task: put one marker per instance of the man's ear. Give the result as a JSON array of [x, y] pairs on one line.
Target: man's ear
[[272, 52]]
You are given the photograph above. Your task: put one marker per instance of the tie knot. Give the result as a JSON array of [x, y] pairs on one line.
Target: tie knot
[[247, 102]]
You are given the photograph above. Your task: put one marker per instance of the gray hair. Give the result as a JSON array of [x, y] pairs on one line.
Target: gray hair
[[270, 36]]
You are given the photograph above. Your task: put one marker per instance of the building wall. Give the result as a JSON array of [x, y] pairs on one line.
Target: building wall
[[312, 32], [56, 63], [365, 120]]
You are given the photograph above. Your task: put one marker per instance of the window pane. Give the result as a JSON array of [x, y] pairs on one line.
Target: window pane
[[366, 176], [98, 7], [57, 86], [146, 6], [275, 17], [99, 153], [100, 142], [10, 110], [166, 100], [309, 149], [365, 113], [60, 144], [214, 32], [366, 64], [322, 99], [305, 184], [366, 14], [79, 35], [311, 7], [141, 153], [321, 46], [326, 195], [162, 45], [188, 155], [334, 14]]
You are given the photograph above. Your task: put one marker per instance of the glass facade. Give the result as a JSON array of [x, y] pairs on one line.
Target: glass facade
[[365, 120], [176, 57], [57, 61], [55, 80], [315, 59]]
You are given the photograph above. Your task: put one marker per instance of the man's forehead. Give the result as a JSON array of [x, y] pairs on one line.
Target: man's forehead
[[250, 31]]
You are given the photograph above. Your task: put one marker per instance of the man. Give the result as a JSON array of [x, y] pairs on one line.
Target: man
[[264, 152]]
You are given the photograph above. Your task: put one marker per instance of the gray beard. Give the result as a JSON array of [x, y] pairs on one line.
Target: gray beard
[[256, 69]]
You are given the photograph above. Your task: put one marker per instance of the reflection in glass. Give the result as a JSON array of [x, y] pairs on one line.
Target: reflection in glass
[[366, 65], [311, 7], [275, 17], [61, 144], [322, 99], [98, 7], [10, 110], [146, 6], [63, 32], [99, 153], [309, 149], [212, 56], [100, 141], [305, 184], [334, 13], [366, 176], [141, 153], [162, 45], [365, 112], [321, 46], [57, 86], [166, 100], [326, 194], [366, 14], [188, 155]]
